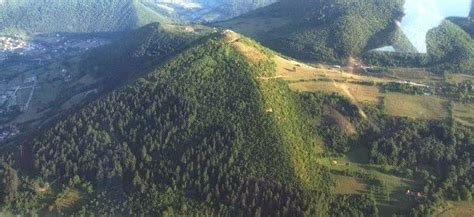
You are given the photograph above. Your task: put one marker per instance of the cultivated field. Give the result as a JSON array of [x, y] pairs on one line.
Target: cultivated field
[[422, 107], [364, 89]]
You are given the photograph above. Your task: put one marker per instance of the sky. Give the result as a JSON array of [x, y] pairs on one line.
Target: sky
[[423, 15]]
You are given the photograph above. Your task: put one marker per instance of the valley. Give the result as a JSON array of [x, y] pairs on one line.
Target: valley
[[36, 71]]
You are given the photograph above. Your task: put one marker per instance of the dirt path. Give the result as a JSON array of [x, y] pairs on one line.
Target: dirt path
[[271, 78], [346, 90]]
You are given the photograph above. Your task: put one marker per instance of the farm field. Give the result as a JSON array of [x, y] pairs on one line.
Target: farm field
[[364, 89], [412, 74], [421, 107]]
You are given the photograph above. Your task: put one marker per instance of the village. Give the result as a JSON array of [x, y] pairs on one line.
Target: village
[[30, 65], [45, 47]]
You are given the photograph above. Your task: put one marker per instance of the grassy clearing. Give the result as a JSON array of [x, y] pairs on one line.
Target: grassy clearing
[[464, 113], [396, 104], [359, 93], [364, 93], [292, 70], [420, 107], [315, 86], [349, 185], [390, 195], [66, 199], [327, 79], [419, 75], [458, 78], [455, 209]]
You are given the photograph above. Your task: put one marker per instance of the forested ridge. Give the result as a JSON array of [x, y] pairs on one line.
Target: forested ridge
[[74, 16], [329, 30], [450, 50], [135, 54], [31, 16]]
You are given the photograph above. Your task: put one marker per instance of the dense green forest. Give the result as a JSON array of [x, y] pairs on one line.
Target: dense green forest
[[451, 49], [136, 53], [466, 24], [396, 59], [328, 30], [439, 153], [32, 16]]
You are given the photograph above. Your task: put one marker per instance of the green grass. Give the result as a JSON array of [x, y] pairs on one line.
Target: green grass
[[349, 185], [464, 113], [455, 209], [66, 199], [419, 75], [390, 198], [418, 107], [458, 78]]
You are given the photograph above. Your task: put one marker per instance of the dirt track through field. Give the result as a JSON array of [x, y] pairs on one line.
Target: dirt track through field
[[348, 93]]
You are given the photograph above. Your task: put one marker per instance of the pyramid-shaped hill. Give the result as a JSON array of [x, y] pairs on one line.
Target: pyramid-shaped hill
[[210, 131]]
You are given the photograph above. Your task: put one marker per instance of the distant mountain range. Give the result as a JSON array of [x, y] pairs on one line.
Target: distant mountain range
[[471, 14], [31, 16], [205, 10]]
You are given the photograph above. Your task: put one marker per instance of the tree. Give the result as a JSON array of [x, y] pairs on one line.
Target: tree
[[10, 183]]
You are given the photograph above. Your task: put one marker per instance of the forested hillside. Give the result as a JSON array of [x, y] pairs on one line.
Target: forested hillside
[[136, 53], [201, 135], [74, 16], [471, 14], [450, 48], [205, 10], [323, 30], [465, 23], [33, 16]]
